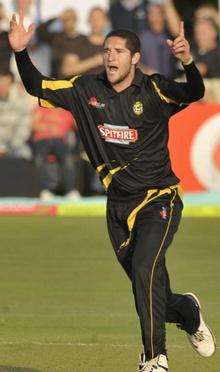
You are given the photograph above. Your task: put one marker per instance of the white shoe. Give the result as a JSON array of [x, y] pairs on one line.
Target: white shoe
[[46, 195], [203, 341], [158, 364], [73, 195]]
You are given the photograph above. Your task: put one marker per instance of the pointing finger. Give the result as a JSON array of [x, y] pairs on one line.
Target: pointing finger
[[21, 17]]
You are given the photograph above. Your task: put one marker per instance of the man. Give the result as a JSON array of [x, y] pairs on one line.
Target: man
[[122, 116], [15, 122], [129, 14], [163, 22], [206, 49], [87, 59], [63, 41], [52, 135], [5, 50]]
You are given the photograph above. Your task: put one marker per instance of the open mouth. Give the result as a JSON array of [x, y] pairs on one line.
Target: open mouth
[[113, 69]]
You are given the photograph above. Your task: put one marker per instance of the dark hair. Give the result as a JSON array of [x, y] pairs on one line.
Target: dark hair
[[132, 40]]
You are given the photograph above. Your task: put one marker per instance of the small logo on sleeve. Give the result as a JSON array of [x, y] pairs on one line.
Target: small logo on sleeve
[[164, 213], [118, 134], [94, 102]]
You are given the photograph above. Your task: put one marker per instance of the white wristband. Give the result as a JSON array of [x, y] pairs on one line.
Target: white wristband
[[189, 62]]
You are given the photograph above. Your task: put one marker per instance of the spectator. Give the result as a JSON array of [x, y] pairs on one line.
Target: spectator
[[15, 114], [163, 23], [61, 35], [187, 9], [207, 11], [206, 49], [5, 49], [52, 134], [40, 54], [3, 18], [128, 14], [91, 60]]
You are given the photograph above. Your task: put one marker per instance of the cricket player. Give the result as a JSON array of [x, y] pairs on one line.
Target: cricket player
[[123, 116]]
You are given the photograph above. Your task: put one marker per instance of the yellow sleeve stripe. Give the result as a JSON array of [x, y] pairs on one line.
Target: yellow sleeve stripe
[[106, 181], [161, 95], [56, 84], [108, 178], [100, 167], [46, 104], [115, 170]]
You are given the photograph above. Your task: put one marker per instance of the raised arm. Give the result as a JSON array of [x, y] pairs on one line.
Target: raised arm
[[174, 95], [19, 39], [177, 93], [193, 89], [53, 93], [180, 46]]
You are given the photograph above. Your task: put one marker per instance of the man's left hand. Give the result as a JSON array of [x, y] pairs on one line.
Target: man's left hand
[[180, 46]]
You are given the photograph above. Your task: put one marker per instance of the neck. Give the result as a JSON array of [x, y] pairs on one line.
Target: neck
[[124, 84]]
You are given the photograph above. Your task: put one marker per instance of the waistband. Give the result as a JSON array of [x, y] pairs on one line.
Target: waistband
[[149, 193]]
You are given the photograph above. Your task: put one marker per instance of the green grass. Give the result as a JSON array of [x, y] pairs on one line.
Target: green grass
[[66, 305]]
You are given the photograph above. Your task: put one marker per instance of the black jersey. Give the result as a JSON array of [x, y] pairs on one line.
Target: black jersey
[[125, 134]]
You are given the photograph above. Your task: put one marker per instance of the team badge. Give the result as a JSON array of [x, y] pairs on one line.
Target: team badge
[[138, 108]]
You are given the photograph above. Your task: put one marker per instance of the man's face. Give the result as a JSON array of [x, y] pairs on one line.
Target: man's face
[[156, 18], [69, 20], [98, 21], [1, 12], [117, 60], [205, 34]]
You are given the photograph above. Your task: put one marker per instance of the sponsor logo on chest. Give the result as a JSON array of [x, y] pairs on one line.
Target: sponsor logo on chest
[[118, 134]]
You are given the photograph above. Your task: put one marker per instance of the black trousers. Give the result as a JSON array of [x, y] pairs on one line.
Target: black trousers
[[141, 231]]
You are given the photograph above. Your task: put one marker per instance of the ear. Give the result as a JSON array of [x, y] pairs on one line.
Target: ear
[[136, 58]]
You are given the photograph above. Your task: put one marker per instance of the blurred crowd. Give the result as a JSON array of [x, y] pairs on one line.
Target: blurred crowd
[[49, 138]]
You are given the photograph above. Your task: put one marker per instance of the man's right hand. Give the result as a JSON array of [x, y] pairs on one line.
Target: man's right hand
[[18, 36]]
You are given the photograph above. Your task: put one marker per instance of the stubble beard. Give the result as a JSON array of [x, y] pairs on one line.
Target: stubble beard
[[121, 78]]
